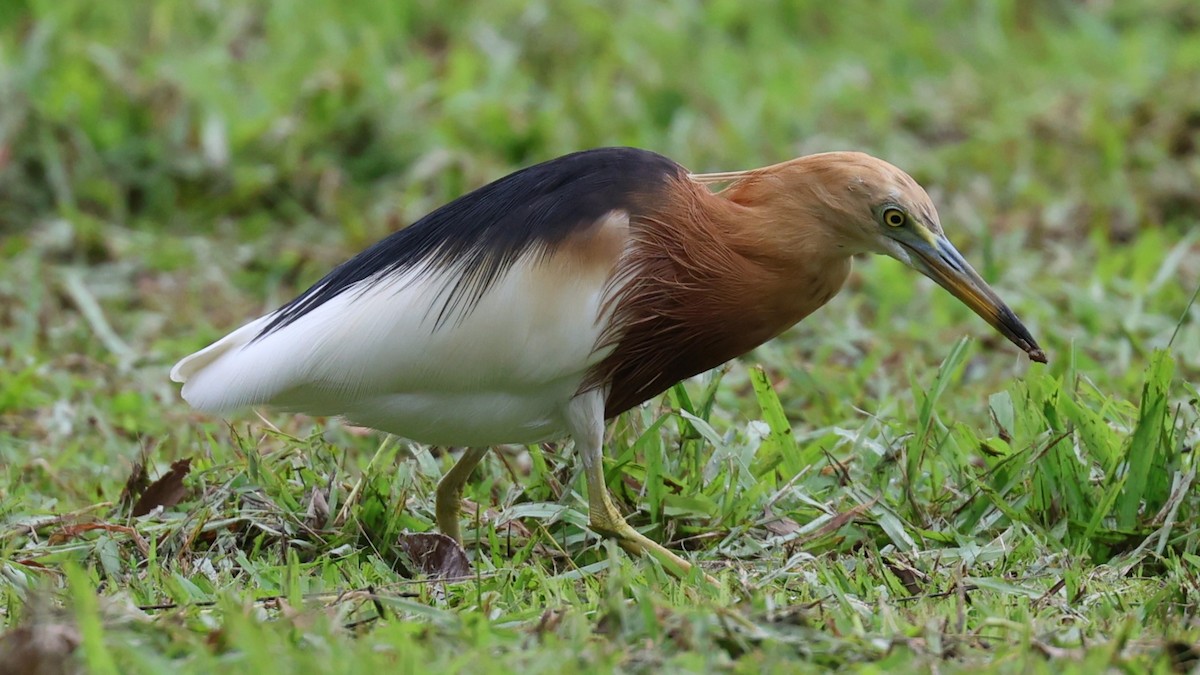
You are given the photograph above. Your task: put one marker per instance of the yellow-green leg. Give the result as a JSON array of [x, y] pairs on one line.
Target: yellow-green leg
[[449, 492], [585, 417], [604, 519]]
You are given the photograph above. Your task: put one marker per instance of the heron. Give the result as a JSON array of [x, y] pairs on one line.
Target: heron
[[551, 300]]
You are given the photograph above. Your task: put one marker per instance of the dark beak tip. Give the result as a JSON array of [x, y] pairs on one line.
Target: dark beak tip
[[1019, 335]]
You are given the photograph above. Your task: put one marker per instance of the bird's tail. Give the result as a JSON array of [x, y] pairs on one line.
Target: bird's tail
[[210, 377]]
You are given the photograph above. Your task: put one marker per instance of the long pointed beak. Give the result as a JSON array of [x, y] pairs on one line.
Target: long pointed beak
[[943, 263]]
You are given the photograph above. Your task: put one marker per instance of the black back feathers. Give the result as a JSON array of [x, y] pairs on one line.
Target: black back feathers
[[480, 235]]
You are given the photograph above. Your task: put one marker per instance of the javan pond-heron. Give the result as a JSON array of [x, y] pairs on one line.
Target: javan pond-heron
[[557, 297]]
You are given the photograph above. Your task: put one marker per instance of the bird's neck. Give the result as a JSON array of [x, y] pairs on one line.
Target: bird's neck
[[764, 221], [801, 264], [781, 267], [708, 280]]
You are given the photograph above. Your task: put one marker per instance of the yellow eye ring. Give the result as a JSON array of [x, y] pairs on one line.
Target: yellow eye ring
[[894, 217]]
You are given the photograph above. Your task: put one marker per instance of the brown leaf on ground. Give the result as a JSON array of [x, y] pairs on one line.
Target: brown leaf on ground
[[39, 649], [166, 491], [44, 644], [914, 580], [780, 526], [835, 523], [317, 514], [435, 555], [77, 529], [1184, 657]]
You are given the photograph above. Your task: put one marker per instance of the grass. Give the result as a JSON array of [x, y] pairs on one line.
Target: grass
[[874, 491]]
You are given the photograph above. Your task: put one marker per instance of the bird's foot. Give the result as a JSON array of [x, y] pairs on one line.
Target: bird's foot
[[604, 520]]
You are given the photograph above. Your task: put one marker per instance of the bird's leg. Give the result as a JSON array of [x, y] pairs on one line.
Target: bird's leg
[[449, 492], [585, 420]]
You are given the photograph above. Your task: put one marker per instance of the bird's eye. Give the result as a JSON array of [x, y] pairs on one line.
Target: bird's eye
[[894, 217]]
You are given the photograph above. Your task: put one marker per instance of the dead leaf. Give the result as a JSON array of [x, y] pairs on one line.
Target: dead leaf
[[39, 649], [1184, 657], [166, 491], [548, 623], [435, 555], [44, 644], [914, 580], [318, 510], [780, 526], [835, 523]]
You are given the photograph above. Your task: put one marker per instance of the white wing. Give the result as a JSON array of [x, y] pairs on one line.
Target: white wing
[[373, 353]]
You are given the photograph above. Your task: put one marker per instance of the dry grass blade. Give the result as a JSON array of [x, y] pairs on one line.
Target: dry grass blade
[[136, 484]]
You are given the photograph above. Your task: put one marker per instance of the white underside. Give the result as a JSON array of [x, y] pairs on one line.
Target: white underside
[[503, 373]]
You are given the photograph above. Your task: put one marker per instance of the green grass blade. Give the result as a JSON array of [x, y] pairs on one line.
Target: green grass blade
[[1147, 440], [780, 441], [87, 617]]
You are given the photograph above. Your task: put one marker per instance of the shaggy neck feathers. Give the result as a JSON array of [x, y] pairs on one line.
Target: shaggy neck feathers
[[710, 277]]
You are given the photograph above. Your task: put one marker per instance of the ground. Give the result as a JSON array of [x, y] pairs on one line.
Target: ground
[[887, 487]]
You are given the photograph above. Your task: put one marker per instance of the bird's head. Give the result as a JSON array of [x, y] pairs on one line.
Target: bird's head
[[862, 204]]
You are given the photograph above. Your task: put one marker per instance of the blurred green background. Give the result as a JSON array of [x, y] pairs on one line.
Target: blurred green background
[[184, 115], [204, 160], [170, 169]]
